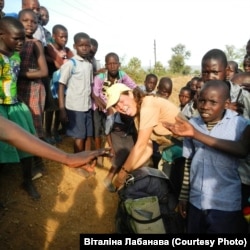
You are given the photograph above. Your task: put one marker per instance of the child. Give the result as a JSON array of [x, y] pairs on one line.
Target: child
[[33, 67], [12, 38], [164, 88], [44, 19], [102, 82], [56, 54], [93, 50], [186, 101], [34, 5], [246, 63], [75, 107], [30, 86], [149, 84], [232, 69], [215, 185]]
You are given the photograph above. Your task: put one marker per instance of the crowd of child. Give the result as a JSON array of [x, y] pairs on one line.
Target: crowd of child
[[96, 105]]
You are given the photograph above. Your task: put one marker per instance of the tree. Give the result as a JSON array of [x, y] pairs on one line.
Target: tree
[[177, 61], [159, 69], [234, 54], [134, 70]]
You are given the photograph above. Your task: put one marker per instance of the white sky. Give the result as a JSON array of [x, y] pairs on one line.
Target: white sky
[[129, 27]]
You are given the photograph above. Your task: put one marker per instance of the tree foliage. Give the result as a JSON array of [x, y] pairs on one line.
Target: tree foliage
[[234, 54], [177, 61], [176, 65]]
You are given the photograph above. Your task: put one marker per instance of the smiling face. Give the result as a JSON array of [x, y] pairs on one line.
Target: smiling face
[[126, 104]]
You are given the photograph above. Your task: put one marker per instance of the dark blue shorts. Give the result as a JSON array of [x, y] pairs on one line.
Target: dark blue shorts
[[215, 221], [80, 124]]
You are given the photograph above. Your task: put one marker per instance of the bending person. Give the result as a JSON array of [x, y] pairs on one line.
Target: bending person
[[148, 112]]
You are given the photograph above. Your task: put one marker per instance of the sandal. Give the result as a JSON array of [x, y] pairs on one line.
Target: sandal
[[84, 173]]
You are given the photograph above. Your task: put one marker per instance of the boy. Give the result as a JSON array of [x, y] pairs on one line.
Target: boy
[[165, 87], [75, 107], [57, 53], [149, 84], [12, 38], [215, 185]]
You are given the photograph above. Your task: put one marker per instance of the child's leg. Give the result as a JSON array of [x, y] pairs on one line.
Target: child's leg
[[79, 145], [28, 185], [57, 137], [48, 124], [87, 146]]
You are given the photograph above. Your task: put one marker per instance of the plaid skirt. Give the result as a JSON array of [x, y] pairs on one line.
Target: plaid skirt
[[33, 95]]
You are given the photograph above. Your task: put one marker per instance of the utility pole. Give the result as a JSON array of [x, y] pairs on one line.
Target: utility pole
[[155, 50]]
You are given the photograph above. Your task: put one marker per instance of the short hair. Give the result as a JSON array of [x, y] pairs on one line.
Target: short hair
[[58, 27], [30, 11], [218, 84], [80, 35], [234, 64], [165, 80], [8, 22], [150, 75], [216, 54], [186, 88], [94, 42], [112, 54]]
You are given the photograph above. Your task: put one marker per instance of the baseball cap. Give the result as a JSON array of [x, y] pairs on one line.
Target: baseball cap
[[114, 92]]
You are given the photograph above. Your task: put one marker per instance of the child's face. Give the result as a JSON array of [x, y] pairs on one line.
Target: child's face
[[246, 65], [193, 85], [150, 84], [199, 85], [44, 16], [231, 71], [112, 65], [12, 40], [165, 90], [82, 47], [184, 97], [60, 38], [30, 22], [211, 104], [212, 69]]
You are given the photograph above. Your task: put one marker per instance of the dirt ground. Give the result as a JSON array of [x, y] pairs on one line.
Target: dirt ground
[[70, 205]]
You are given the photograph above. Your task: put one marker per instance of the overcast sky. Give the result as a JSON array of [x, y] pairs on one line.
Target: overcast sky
[[130, 27]]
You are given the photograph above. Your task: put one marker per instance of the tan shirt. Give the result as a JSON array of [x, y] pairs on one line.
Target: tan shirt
[[154, 111]]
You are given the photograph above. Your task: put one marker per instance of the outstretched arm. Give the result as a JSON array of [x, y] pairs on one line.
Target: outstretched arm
[[19, 138], [238, 148]]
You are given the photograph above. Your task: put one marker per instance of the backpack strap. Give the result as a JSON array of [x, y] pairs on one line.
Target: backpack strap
[[74, 63], [142, 172]]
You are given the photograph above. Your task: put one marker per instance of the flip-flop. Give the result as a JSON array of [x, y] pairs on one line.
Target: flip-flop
[[84, 173]]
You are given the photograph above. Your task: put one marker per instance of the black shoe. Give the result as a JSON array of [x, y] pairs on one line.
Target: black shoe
[[31, 190]]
